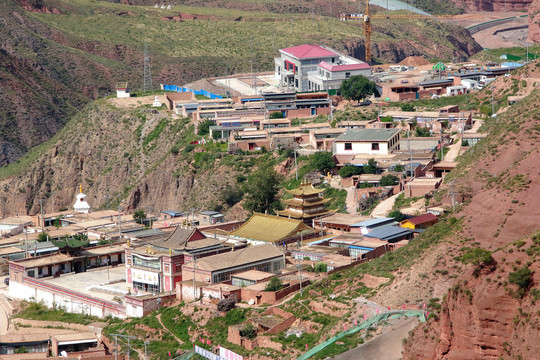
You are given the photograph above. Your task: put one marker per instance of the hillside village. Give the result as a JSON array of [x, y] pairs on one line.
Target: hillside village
[[364, 179]]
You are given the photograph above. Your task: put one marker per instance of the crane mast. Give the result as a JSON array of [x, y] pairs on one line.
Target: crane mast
[[367, 32]]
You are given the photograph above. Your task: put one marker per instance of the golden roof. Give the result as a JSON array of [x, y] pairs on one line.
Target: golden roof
[[304, 215], [305, 188], [270, 228], [300, 202]]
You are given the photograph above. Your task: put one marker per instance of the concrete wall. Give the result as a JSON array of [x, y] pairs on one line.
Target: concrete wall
[[360, 148], [270, 297], [55, 296]]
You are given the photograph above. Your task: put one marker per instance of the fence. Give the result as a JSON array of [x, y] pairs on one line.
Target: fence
[[485, 25], [196, 92], [418, 313]]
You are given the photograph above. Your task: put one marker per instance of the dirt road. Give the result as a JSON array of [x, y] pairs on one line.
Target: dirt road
[[384, 207], [387, 346]]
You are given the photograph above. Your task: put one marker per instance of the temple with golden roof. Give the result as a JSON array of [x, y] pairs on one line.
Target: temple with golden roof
[[307, 204]]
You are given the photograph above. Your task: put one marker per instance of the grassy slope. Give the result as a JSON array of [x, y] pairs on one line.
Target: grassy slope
[[252, 37]]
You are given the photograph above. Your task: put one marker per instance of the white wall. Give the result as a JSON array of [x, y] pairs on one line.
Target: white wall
[[50, 299], [360, 148]]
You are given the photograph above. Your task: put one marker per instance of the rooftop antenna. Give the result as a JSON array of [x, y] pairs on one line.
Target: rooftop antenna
[[147, 80]]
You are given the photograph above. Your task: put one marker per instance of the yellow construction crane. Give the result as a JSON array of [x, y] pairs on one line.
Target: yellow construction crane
[[367, 23]]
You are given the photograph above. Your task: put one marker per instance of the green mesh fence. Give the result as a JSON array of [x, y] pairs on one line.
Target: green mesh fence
[[364, 325]]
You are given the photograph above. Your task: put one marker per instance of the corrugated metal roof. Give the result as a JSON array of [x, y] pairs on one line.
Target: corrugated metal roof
[[372, 222], [237, 258], [368, 135], [388, 232]]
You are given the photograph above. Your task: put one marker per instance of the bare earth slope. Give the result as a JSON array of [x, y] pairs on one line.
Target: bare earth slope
[[484, 316]]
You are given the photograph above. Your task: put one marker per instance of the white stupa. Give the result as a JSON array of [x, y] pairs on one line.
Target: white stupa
[[81, 205], [156, 103]]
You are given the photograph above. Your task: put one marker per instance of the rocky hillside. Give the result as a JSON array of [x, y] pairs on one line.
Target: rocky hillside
[[486, 273], [493, 5], [129, 157], [534, 22]]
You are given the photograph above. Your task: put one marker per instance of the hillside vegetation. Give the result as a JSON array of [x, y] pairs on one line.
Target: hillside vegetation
[[57, 55]]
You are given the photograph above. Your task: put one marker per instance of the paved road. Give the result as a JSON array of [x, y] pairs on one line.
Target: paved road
[[387, 346], [5, 309], [453, 151]]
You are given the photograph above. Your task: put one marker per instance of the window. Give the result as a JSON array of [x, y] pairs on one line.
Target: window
[[347, 75], [296, 82], [348, 146], [374, 146]]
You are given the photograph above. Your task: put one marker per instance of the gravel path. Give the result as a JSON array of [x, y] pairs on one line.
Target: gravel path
[[385, 206]]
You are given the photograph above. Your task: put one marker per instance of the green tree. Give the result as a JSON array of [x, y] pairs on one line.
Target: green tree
[[274, 284], [399, 168], [388, 180], [387, 118], [357, 87], [276, 115], [370, 167], [43, 236], [397, 215], [204, 127], [422, 132], [262, 188], [139, 216], [249, 331], [521, 278], [232, 195], [350, 170], [322, 161], [407, 107]]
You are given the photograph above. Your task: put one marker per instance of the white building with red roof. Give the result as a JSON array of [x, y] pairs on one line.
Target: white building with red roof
[[315, 68]]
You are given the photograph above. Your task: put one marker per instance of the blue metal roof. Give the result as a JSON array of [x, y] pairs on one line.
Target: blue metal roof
[[388, 232], [172, 213], [373, 222], [209, 213]]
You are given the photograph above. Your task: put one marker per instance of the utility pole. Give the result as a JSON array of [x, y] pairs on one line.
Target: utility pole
[[41, 209], [147, 72], [295, 165], [492, 100], [116, 344], [145, 353], [453, 194], [274, 42], [194, 264], [251, 67], [291, 31], [119, 223], [442, 147]]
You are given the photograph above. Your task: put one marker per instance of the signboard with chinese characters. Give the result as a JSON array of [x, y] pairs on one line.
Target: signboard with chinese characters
[[207, 354], [229, 355], [145, 277]]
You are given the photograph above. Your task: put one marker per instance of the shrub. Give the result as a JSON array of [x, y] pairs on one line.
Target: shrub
[[320, 267], [274, 284], [248, 331], [43, 236], [388, 180], [521, 278], [407, 107], [276, 115], [204, 127], [350, 170], [322, 161], [422, 132], [397, 215]]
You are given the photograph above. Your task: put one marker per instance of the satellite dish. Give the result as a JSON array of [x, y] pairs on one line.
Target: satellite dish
[[251, 302], [64, 354]]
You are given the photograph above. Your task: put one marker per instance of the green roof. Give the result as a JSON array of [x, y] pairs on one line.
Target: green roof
[[368, 135]]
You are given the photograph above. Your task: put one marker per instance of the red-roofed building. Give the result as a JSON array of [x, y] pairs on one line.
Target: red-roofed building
[[298, 64], [419, 222]]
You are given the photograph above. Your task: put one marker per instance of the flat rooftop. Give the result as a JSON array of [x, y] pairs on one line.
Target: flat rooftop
[[254, 275], [342, 219], [44, 260], [89, 283]]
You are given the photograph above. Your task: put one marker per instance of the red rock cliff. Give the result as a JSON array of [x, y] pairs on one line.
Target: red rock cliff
[[534, 22], [493, 5]]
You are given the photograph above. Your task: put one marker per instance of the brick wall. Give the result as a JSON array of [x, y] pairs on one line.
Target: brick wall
[[270, 297]]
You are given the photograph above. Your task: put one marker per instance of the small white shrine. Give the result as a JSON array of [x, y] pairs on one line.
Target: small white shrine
[[156, 103], [81, 205]]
